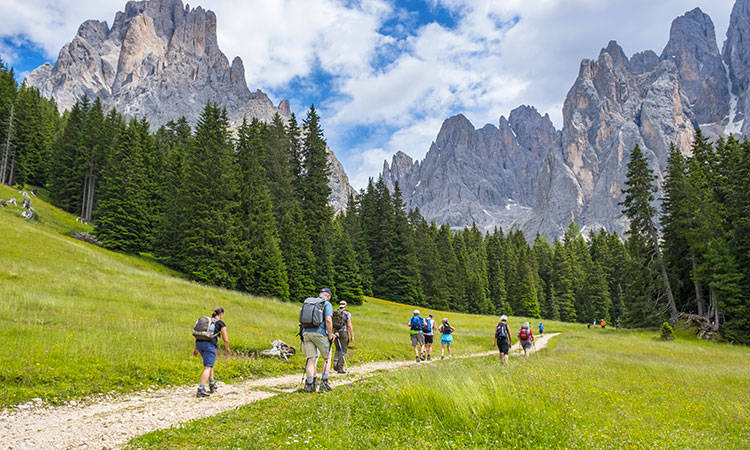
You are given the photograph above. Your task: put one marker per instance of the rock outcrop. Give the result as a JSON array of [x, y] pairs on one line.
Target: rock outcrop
[[160, 60], [525, 174]]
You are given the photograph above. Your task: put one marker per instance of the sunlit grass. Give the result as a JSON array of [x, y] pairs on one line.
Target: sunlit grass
[[590, 389]]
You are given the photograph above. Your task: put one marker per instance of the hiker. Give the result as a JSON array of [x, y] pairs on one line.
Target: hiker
[[415, 330], [526, 337], [603, 324], [318, 339], [342, 326], [503, 340], [618, 325], [447, 338], [206, 346], [428, 329], [541, 329]]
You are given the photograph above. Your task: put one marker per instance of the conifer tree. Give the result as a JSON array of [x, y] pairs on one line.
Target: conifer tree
[[66, 174], [544, 255], [346, 273], [452, 267], [477, 293], [298, 255], [121, 221], [261, 266], [639, 195], [563, 284], [496, 272]]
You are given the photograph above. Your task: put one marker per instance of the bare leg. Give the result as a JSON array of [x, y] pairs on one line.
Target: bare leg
[[206, 373], [310, 368], [442, 350], [449, 350]]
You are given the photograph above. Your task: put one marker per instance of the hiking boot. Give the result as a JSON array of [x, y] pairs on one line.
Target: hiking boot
[[212, 387], [418, 359], [309, 387], [340, 371], [441, 356], [429, 358], [325, 387], [202, 392], [422, 356]]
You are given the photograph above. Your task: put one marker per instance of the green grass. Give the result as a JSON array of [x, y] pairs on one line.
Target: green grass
[[78, 320], [590, 389]]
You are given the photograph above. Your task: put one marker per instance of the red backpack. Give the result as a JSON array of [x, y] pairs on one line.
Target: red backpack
[[524, 334]]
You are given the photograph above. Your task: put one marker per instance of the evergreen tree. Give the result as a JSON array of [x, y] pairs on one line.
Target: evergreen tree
[[638, 208], [67, 173], [496, 272], [563, 284], [477, 292], [544, 257], [346, 273], [433, 278], [121, 221], [261, 266]]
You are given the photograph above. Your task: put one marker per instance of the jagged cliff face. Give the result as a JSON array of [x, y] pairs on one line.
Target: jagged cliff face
[[161, 60], [525, 174]]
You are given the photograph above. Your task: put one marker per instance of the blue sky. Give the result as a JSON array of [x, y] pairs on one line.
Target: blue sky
[[384, 74]]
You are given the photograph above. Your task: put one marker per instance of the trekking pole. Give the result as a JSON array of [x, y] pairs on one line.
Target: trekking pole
[[343, 356]]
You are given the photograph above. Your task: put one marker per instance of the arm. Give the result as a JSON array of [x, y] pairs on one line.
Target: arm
[[329, 327], [195, 349], [351, 330], [225, 339]]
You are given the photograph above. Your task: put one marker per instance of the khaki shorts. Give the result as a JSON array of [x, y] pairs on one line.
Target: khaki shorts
[[417, 339], [314, 343]]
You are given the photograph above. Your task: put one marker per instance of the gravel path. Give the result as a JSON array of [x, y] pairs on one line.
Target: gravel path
[[105, 423]]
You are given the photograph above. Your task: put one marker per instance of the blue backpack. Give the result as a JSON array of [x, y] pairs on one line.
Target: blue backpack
[[416, 323]]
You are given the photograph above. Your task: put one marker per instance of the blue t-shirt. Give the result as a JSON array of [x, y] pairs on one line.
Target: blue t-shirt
[[327, 312], [413, 322]]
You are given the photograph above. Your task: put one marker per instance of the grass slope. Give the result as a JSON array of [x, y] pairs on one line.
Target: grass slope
[[78, 320], [591, 389]]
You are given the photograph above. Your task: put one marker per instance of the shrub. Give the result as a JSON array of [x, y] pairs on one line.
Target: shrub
[[667, 334]]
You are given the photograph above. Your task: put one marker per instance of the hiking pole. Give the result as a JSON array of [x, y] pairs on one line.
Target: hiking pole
[[343, 356]]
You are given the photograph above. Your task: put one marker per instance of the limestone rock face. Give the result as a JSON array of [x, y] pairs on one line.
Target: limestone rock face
[[161, 60], [525, 174]]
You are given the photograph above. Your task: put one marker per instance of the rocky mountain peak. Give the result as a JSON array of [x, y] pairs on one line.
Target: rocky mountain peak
[[615, 52], [692, 47], [736, 55]]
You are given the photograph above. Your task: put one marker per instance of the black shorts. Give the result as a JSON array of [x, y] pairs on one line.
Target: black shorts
[[502, 344], [428, 338]]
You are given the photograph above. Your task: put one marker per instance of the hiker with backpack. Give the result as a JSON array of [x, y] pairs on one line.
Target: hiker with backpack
[[416, 325], [503, 339], [316, 319], [526, 337], [446, 330], [541, 329], [206, 331], [428, 329], [342, 326]]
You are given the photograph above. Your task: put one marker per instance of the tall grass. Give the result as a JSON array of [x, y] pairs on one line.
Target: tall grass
[[77, 320], [592, 389]]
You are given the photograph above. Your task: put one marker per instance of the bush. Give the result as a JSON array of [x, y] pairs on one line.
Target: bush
[[667, 334]]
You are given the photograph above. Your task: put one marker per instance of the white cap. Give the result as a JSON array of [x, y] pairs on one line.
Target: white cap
[[416, 311], [526, 324], [503, 317]]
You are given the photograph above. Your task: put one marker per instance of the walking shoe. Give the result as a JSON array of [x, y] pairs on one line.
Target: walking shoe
[[202, 392], [340, 371], [325, 387], [212, 387], [309, 387], [418, 359], [429, 358], [441, 356], [315, 384], [422, 356]]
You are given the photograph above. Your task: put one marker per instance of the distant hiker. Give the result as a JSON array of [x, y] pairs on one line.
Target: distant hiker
[[541, 329], [316, 318], [618, 325], [416, 324], [206, 331], [526, 337], [13, 202], [502, 338], [342, 325], [589, 326], [26, 203], [603, 324], [428, 329], [447, 338], [35, 193], [3, 203]]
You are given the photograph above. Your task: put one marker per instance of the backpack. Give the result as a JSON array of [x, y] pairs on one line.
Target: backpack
[[427, 326], [338, 319], [204, 327], [446, 328], [311, 314], [501, 331], [524, 334], [416, 325]]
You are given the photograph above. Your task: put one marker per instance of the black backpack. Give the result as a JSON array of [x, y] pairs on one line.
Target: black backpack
[[501, 331], [338, 320], [446, 328]]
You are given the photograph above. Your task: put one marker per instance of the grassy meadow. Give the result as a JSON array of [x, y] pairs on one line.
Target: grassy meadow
[[79, 320], [589, 389]]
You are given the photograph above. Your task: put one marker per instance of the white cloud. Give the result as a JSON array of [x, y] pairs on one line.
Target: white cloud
[[366, 164]]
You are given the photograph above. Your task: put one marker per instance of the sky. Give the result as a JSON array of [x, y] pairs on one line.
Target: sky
[[385, 74]]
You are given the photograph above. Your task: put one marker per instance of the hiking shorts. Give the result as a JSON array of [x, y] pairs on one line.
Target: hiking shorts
[[429, 338], [207, 351], [446, 339], [502, 344], [526, 345], [314, 343], [417, 339]]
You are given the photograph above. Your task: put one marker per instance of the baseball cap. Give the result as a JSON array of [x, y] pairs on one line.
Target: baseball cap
[[342, 304], [327, 291], [416, 311], [503, 317]]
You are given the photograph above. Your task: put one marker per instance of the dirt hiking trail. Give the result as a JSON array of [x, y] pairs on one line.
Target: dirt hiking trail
[[110, 423]]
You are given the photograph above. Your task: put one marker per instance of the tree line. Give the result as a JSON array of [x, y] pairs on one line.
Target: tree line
[[248, 209]]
